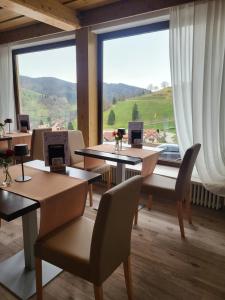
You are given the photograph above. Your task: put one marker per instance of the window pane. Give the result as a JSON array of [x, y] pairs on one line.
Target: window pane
[[47, 87], [137, 87]]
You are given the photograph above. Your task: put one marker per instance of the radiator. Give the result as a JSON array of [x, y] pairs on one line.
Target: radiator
[[200, 196]]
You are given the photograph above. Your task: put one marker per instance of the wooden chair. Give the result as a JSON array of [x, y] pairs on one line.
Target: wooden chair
[[94, 250], [177, 189], [76, 141], [36, 151]]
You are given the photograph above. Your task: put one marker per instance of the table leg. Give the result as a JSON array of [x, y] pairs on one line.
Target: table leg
[[120, 172], [30, 233], [17, 273], [10, 144]]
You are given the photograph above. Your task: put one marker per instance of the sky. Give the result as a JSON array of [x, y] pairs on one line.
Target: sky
[[137, 60]]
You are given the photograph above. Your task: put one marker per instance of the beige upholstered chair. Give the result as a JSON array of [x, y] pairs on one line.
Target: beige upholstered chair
[[36, 151], [90, 250], [178, 189], [37, 143], [76, 141]]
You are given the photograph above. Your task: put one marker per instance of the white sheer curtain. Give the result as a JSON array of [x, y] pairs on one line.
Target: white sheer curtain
[[197, 56], [7, 104]]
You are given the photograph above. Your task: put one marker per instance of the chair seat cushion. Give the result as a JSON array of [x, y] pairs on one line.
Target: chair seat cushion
[[99, 169], [158, 185], [69, 247], [79, 165]]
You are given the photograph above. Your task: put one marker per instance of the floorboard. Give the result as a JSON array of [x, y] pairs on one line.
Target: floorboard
[[163, 266]]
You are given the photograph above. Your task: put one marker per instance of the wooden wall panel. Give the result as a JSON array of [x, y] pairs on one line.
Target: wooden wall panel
[[16, 23], [124, 9], [28, 32], [87, 85]]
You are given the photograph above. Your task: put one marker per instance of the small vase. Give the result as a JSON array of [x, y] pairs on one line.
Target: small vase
[[8, 179], [117, 146], [121, 144], [2, 132]]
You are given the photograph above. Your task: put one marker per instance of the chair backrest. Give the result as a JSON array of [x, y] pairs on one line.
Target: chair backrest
[[76, 141], [185, 171], [112, 230], [37, 151]]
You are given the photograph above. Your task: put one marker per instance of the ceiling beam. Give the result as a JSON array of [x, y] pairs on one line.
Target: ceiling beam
[[50, 12], [28, 32], [124, 9]]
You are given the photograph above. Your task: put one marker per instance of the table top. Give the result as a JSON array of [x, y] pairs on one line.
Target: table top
[[5, 138], [109, 156], [72, 172], [18, 134], [13, 206]]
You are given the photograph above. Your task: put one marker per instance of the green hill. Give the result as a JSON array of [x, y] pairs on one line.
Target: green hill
[[51, 86], [155, 109], [40, 108]]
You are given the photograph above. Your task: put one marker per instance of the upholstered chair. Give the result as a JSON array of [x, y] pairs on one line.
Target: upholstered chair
[[93, 250], [76, 141], [177, 189], [37, 151]]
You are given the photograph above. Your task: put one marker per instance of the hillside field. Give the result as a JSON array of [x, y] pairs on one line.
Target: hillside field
[[155, 109], [40, 108]]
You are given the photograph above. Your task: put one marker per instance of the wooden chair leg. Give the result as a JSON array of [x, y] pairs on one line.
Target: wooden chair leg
[[188, 209], [180, 218], [98, 292], [188, 205], [149, 202], [38, 269], [136, 217], [90, 191], [128, 278]]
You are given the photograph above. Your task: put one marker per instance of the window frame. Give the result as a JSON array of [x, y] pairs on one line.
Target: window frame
[[30, 49], [154, 27]]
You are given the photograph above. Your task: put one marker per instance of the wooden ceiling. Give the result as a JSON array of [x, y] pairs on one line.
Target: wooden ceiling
[[26, 19], [10, 20]]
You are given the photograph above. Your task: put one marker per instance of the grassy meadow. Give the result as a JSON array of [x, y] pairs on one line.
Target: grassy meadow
[[41, 109], [155, 109]]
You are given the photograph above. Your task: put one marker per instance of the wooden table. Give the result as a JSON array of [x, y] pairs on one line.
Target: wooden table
[[6, 142], [17, 272], [119, 158], [16, 138]]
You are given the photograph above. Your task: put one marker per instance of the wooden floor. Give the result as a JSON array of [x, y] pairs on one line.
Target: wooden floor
[[163, 266]]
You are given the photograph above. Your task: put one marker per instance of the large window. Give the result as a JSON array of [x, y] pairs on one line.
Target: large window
[[47, 84], [137, 86]]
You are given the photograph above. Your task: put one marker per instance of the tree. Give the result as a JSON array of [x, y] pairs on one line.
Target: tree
[[164, 84], [150, 87], [111, 118], [135, 112], [114, 100], [70, 126], [41, 122], [49, 120]]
